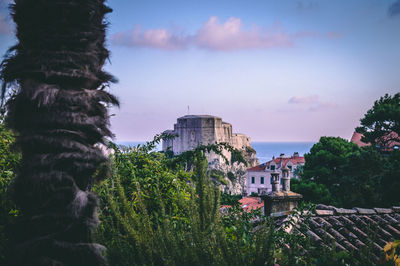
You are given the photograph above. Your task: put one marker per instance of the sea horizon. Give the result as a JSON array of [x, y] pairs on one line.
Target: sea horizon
[[265, 150]]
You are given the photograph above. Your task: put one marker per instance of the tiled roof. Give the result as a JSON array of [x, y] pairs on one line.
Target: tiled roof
[[280, 162], [356, 138], [390, 143], [258, 168], [352, 229], [251, 203]]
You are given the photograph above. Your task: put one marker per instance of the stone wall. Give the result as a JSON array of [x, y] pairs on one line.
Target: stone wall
[[195, 130]]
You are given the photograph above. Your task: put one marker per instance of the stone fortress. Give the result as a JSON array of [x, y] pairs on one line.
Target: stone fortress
[[195, 130]]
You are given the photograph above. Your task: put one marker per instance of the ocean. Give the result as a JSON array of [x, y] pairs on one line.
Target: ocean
[[265, 150]]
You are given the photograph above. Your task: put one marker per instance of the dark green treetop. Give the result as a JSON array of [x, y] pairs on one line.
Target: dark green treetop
[[381, 124]]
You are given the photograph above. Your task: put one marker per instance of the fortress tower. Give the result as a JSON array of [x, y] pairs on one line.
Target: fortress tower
[[195, 130]]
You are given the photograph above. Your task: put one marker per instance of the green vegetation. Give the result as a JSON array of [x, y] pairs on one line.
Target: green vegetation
[[154, 214], [158, 209], [340, 173], [381, 121], [8, 163]]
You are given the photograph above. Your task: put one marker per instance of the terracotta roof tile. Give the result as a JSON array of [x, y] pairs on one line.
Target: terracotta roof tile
[[258, 168], [251, 203], [280, 162], [352, 229], [356, 138], [390, 143]]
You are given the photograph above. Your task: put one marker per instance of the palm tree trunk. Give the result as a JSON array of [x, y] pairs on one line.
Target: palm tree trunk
[[59, 112]]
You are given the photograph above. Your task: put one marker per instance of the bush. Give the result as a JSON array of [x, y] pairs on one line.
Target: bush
[[8, 163]]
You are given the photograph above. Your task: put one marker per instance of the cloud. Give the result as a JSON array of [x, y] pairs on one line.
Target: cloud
[[311, 103], [157, 38], [394, 9], [230, 35], [212, 35]]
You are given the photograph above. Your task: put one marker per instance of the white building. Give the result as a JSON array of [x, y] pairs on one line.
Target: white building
[[259, 177]]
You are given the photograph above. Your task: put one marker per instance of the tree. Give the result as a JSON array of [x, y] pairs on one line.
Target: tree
[[326, 163], [59, 112], [337, 172], [381, 124], [312, 192]]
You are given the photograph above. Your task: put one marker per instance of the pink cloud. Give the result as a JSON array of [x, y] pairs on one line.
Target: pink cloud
[[212, 35], [230, 35], [157, 38]]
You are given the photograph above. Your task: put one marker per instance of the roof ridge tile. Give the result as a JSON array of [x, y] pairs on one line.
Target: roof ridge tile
[[365, 211], [342, 211], [396, 208], [383, 210]]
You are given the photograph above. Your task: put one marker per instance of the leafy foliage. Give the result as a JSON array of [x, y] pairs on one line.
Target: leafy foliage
[[311, 191], [8, 163], [392, 252], [339, 173], [381, 124], [154, 215], [326, 163]]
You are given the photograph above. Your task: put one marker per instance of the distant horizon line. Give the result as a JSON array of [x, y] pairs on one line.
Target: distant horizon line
[[255, 141]]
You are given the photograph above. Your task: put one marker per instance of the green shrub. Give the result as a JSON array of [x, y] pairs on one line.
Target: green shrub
[[8, 163]]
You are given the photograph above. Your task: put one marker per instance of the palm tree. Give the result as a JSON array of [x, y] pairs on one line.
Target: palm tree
[[59, 113]]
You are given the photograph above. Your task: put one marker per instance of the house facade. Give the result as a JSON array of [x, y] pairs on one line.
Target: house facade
[[258, 178]]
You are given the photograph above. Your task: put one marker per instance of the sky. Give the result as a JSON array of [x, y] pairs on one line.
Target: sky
[[277, 70]]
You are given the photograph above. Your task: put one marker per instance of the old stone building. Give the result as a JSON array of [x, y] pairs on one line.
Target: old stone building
[[195, 130]]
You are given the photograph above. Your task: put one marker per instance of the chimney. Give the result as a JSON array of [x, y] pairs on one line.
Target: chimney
[[275, 181], [285, 179], [280, 203]]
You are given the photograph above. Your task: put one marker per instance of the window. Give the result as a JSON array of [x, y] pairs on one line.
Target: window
[[253, 179], [262, 180], [272, 167], [290, 167]]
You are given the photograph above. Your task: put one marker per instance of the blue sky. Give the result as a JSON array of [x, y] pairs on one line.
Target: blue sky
[[278, 70]]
